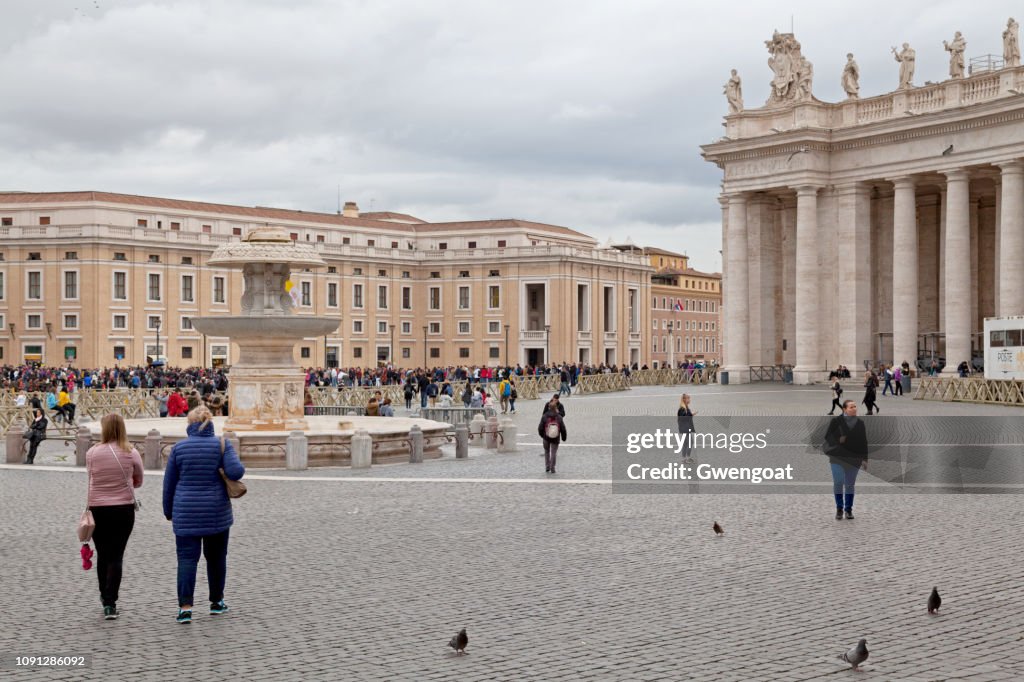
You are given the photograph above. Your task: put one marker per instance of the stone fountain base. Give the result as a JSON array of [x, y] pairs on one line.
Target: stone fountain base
[[329, 439]]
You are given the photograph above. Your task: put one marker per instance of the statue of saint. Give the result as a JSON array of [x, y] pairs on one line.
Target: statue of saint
[[734, 93], [1011, 44], [792, 72], [851, 78], [956, 55], [804, 79], [906, 58]]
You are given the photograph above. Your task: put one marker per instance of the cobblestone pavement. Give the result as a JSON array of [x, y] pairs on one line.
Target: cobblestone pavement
[[367, 579]]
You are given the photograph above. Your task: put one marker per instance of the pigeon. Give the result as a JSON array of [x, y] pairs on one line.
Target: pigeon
[[802, 150], [934, 601], [856, 655], [459, 642], [947, 151], [718, 529]]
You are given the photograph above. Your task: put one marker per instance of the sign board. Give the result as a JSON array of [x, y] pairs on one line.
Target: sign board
[[1004, 347]]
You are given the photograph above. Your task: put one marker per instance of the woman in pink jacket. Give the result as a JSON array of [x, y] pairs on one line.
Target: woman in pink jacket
[[115, 470]]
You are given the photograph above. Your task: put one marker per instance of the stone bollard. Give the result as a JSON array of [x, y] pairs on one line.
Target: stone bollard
[[151, 450], [476, 429], [362, 450], [461, 441], [14, 444], [507, 442], [83, 441], [415, 445], [231, 438], [296, 449], [491, 433]]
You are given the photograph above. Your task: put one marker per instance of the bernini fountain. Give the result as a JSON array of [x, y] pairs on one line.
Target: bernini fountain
[[266, 386]]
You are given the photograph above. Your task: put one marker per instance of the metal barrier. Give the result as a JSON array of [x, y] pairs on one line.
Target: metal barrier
[[335, 410], [770, 372], [601, 383], [456, 415], [974, 390]]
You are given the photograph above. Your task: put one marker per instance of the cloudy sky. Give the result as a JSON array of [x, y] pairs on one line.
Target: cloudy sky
[[581, 113]]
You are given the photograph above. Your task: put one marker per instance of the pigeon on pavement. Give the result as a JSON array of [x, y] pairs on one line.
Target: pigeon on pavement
[[459, 642], [856, 655], [718, 529], [934, 601]]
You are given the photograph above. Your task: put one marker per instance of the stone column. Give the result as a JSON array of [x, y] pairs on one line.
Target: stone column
[[855, 263], [737, 307], [957, 270], [808, 363], [1011, 240], [904, 273]]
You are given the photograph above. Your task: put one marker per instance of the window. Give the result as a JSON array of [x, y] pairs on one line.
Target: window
[[35, 285], [442, 245], [71, 322], [320, 239], [119, 352], [406, 353], [153, 322], [394, 245], [435, 275], [294, 236], [407, 327], [35, 255], [494, 273], [208, 229], [493, 352], [501, 243], [463, 273], [44, 220], [186, 323], [463, 298], [307, 294], [346, 240], [154, 258], [463, 352], [332, 294], [382, 273], [70, 353], [382, 297], [435, 327], [70, 284], [154, 287], [493, 297], [472, 245], [186, 352], [70, 255], [463, 327], [304, 352], [435, 298], [187, 294], [406, 298], [382, 327], [175, 226], [119, 255], [406, 274], [120, 322], [357, 295], [1, 289], [34, 321], [141, 222], [679, 325], [655, 324], [357, 271], [493, 327], [6, 221], [331, 270], [435, 352], [186, 260], [357, 352], [687, 325], [218, 289], [371, 242], [357, 326]]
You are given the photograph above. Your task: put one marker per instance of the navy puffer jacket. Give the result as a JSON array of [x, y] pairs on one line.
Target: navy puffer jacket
[[195, 497]]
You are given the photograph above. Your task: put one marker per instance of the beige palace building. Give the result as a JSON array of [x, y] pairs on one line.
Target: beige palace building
[[96, 279], [876, 228]]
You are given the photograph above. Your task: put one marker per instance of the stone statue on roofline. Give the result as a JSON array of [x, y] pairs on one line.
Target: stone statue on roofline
[[1011, 44], [851, 78], [734, 93], [906, 58], [792, 72], [956, 49]]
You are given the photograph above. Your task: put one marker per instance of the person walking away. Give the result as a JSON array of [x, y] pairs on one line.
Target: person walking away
[[684, 423], [846, 444], [407, 392], [897, 378], [870, 393], [888, 380], [504, 390], [114, 470], [195, 500], [551, 430], [35, 434], [512, 396], [564, 387], [837, 394]]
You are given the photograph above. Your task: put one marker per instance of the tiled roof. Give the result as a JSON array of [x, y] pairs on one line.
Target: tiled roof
[[389, 216], [501, 224]]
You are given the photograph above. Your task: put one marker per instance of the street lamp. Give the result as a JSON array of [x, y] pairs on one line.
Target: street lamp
[[424, 348], [391, 353], [506, 344], [157, 325], [547, 344]]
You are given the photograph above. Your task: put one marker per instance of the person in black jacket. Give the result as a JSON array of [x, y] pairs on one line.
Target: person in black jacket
[[684, 422], [36, 433], [546, 429], [846, 444]]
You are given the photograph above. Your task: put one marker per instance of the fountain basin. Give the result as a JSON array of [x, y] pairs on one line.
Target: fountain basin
[[245, 329]]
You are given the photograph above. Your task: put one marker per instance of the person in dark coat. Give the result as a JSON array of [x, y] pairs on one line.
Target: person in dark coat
[[196, 501], [846, 444], [546, 429], [684, 423], [36, 433], [870, 393]]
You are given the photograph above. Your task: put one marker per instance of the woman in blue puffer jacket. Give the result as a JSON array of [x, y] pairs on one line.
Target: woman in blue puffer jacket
[[196, 501]]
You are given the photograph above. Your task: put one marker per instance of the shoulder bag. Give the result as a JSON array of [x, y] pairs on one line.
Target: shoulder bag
[[235, 488], [86, 522], [136, 501]]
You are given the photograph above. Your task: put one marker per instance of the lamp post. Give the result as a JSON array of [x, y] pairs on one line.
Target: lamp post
[[157, 325], [506, 344], [547, 344], [391, 353], [424, 348]]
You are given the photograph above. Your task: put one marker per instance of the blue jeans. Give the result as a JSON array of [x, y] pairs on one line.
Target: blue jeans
[[215, 549], [844, 476]]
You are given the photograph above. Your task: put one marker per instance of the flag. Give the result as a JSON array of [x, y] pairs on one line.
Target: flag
[[678, 306]]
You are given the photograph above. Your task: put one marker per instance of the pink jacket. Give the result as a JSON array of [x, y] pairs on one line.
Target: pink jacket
[[107, 485]]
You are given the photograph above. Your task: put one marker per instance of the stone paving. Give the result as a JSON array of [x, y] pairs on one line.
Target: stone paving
[[337, 575]]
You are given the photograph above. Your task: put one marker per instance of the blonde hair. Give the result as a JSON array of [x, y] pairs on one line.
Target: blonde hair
[[200, 415], [113, 430], [682, 399]]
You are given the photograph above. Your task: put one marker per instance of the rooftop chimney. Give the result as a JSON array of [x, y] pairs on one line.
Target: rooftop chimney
[[351, 210]]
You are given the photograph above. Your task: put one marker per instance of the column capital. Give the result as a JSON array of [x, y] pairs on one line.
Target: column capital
[[856, 187], [807, 190], [736, 197], [955, 175], [1013, 166], [902, 181]]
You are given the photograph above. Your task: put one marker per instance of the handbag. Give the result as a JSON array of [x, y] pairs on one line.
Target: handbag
[[136, 501], [86, 526], [235, 488]]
